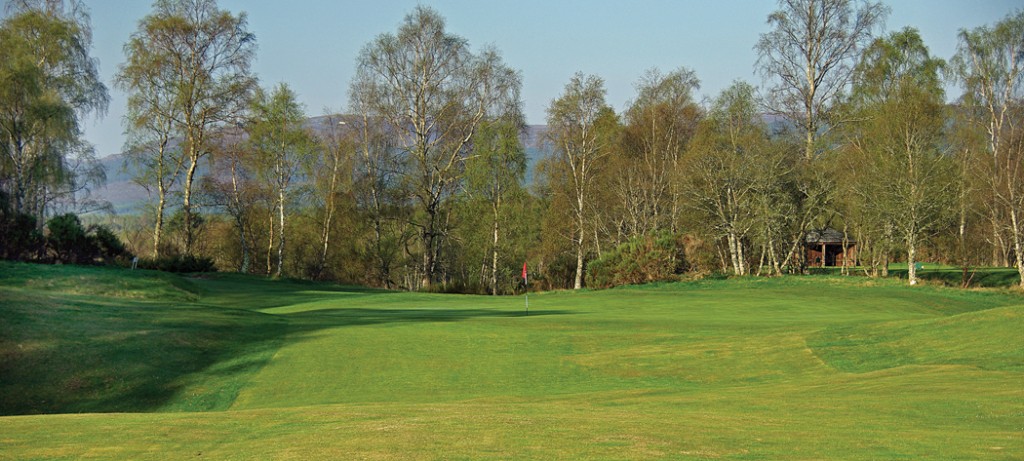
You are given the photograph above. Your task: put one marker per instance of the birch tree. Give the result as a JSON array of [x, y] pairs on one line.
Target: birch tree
[[723, 167], [433, 93], [282, 145], [658, 127], [330, 170], [574, 129], [233, 187], [151, 148], [201, 55], [808, 58], [494, 177], [48, 82], [988, 66], [900, 100], [375, 180]]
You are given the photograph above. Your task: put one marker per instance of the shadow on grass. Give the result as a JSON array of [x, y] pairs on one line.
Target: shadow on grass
[[363, 316], [65, 354], [979, 277]]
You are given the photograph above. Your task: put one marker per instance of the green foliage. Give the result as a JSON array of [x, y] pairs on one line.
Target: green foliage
[[68, 241], [179, 263], [904, 188], [177, 232], [988, 66], [739, 181], [581, 129], [431, 91], [642, 259], [48, 82], [19, 237], [109, 245], [645, 168], [71, 243], [282, 147], [494, 211]]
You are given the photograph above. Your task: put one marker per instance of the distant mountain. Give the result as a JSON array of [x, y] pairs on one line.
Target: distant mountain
[[120, 189], [127, 197]]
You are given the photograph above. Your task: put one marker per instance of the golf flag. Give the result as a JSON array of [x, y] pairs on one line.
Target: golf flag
[[526, 285]]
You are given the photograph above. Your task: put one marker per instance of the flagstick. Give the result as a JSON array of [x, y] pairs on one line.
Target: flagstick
[[526, 284]]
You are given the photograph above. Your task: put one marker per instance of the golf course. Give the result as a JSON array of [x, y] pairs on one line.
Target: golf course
[[106, 364]]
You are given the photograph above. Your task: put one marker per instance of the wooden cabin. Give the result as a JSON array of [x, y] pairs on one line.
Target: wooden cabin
[[830, 248]]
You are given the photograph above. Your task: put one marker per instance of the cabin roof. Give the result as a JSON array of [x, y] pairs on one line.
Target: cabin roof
[[820, 236]]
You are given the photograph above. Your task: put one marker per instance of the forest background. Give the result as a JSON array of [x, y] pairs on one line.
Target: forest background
[[430, 177]]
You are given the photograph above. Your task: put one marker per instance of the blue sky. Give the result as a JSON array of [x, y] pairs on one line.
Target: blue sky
[[312, 44]]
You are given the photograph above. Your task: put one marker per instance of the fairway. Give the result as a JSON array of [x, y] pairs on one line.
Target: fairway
[[106, 364]]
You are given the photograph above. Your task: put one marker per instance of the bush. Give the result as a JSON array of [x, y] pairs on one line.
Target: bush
[[71, 243], [19, 238], [640, 260], [179, 264], [110, 247], [68, 241]]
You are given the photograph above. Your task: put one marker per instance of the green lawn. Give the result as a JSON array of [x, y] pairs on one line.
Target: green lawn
[[107, 364]]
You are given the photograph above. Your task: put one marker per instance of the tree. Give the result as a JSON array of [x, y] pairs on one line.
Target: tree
[[48, 82], [20, 239], [330, 172], [282, 146], [807, 59], [375, 180], [433, 93], [494, 177], [988, 66], [810, 54], [658, 127], [900, 100], [200, 56], [723, 168], [150, 123], [233, 187], [575, 122]]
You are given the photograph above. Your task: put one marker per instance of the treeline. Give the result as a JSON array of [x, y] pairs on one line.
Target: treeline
[[421, 182]]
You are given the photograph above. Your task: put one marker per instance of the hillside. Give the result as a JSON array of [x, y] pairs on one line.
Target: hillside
[[233, 367], [127, 197]]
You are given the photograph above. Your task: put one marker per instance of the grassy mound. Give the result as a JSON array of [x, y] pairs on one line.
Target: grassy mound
[[98, 282], [989, 340], [83, 339]]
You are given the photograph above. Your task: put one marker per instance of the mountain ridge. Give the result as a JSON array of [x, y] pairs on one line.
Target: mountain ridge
[[128, 197]]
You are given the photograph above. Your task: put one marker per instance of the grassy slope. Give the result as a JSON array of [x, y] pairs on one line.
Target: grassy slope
[[817, 368]]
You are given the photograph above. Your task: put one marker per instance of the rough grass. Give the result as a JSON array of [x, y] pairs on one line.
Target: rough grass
[[230, 367]]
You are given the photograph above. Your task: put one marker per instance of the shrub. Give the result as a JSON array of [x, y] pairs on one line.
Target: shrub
[[179, 264], [640, 260], [19, 238], [68, 241], [110, 247]]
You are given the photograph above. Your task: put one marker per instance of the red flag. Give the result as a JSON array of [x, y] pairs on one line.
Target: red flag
[[524, 271]]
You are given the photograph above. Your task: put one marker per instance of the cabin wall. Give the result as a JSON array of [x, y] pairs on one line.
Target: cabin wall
[[834, 255]]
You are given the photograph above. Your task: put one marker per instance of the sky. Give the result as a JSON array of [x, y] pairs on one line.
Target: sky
[[312, 45]]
